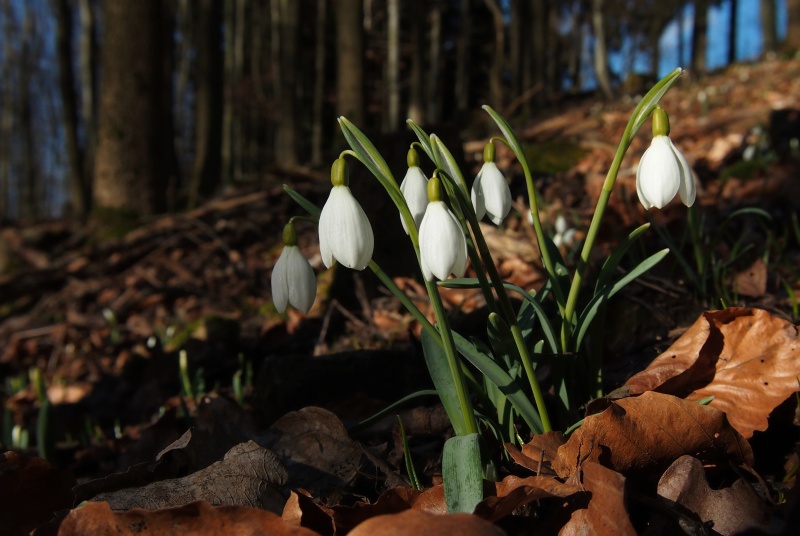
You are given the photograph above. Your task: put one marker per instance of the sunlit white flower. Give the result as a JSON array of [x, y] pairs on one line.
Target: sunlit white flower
[[345, 234], [663, 171], [442, 246], [490, 192], [564, 234], [415, 190], [293, 280]]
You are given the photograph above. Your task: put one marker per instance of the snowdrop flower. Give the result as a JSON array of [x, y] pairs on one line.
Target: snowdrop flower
[[442, 246], [293, 280], [415, 189], [564, 234], [490, 192], [345, 234], [663, 171]]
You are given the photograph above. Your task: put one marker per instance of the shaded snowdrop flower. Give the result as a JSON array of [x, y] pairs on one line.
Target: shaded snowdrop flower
[[663, 171], [442, 246], [293, 280], [415, 189], [345, 234], [565, 235], [490, 192]]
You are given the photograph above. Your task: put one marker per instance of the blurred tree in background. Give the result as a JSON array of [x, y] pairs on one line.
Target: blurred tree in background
[[141, 107]]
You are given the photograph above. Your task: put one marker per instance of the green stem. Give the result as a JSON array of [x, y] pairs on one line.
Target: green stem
[[541, 407]]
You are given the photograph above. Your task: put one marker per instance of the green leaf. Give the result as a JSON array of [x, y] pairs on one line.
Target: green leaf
[[507, 385], [462, 475], [650, 101], [439, 370], [391, 408], [366, 151], [446, 161], [412, 473], [423, 138], [610, 266], [310, 207], [585, 320]]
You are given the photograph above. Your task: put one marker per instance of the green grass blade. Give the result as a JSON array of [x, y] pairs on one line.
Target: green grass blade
[[609, 267], [310, 207], [388, 410], [412, 472], [365, 150]]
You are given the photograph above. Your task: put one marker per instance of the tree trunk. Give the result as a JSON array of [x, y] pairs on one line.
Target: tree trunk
[[496, 69], [433, 111], [462, 56], [768, 25], [517, 43], [393, 65], [793, 30], [319, 83], [209, 71], [30, 163], [135, 160], [416, 98], [700, 36], [350, 60], [732, 31], [286, 142], [88, 74], [600, 54], [78, 187]]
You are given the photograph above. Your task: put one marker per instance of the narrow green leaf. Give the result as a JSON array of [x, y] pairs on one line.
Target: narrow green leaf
[[509, 387], [606, 293], [423, 138], [462, 475], [412, 472], [310, 207], [609, 267], [388, 410], [650, 101], [439, 370], [446, 160], [365, 150]]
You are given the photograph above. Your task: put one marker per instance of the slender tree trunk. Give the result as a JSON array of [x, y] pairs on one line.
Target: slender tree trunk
[[463, 44], [768, 25], [6, 114], [416, 99], [733, 31], [496, 68], [30, 166], [700, 37], [231, 80], [793, 30], [540, 35], [600, 54], [517, 43], [350, 60], [393, 65], [209, 69], [319, 82], [435, 62], [135, 158], [286, 142], [88, 74]]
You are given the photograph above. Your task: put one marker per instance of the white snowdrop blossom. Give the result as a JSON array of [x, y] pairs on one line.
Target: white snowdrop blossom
[[293, 280], [663, 171], [345, 234], [415, 190], [442, 246], [565, 235], [490, 192]]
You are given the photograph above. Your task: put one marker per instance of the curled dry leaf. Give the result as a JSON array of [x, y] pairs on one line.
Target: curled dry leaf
[[649, 431], [538, 454], [514, 492], [606, 513], [733, 510], [416, 522], [248, 475], [747, 359], [197, 518]]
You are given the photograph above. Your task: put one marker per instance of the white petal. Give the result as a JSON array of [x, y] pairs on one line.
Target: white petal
[[659, 174], [280, 286], [301, 279], [345, 233], [477, 197], [687, 190], [496, 193], [561, 224], [443, 248], [415, 190]]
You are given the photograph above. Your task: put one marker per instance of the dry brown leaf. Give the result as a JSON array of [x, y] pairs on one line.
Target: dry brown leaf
[[301, 511], [197, 518], [514, 492], [33, 490], [416, 522], [752, 281], [606, 513], [649, 431], [248, 475], [733, 510], [747, 359]]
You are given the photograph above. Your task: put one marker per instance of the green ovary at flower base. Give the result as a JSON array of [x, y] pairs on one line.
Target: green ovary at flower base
[[345, 234], [490, 192], [442, 245], [663, 171], [293, 280], [415, 189]]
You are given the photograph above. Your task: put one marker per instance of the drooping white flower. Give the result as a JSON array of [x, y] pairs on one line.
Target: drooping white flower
[[490, 192], [663, 171], [442, 246], [415, 189], [565, 235], [345, 234], [293, 280]]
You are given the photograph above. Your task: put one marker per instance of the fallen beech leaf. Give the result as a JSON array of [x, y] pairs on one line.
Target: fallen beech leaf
[[197, 518], [733, 510], [301, 511], [431, 501], [538, 454], [248, 475], [514, 492], [650, 431], [752, 281], [393, 501], [416, 522], [606, 513], [31, 490], [747, 359]]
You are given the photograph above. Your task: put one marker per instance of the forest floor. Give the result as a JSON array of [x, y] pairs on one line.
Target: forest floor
[[172, 397]]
